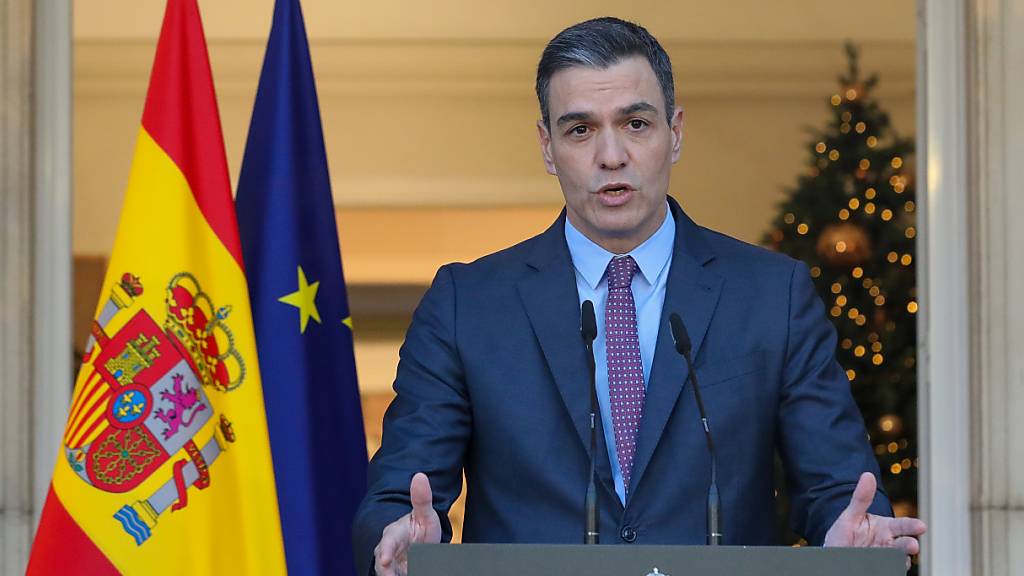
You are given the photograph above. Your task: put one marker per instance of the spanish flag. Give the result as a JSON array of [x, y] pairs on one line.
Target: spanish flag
[[166, 466]]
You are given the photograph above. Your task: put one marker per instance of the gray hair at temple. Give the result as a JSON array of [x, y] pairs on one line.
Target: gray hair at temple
[[601, 43]]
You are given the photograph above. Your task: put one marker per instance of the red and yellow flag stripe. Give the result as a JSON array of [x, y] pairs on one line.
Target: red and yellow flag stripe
[[191, 466]]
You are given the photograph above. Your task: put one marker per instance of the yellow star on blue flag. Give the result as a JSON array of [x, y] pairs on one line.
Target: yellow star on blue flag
[[305, 300]]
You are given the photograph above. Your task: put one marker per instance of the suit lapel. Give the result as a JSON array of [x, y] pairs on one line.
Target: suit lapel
[[692, 292], [552, 304]]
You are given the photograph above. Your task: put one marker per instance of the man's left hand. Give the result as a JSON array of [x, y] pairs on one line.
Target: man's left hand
[[856, 528]]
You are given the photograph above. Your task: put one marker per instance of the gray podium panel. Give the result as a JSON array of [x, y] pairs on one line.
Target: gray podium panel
[[549, 559]]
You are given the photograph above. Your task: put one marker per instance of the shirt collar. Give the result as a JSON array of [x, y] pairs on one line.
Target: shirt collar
[[591, 261]]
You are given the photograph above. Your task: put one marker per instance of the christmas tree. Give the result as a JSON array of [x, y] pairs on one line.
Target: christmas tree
[[851, 218]]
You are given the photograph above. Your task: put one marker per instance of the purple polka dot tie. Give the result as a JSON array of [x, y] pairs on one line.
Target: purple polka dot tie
[[625, 370]]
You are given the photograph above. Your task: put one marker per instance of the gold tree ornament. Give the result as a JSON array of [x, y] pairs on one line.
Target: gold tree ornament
[[854, 91], [891, 424], [843, 244]]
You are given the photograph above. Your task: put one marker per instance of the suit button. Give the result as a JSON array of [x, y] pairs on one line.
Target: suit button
[[628, 534]]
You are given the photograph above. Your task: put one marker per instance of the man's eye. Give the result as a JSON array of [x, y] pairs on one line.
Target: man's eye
[[637, 124], [578, 130]]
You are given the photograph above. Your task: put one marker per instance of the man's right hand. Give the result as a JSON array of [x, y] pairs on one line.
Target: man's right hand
[[420, 525]]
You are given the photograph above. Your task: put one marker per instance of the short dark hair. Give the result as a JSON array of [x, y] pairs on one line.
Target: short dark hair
[[601, 43]]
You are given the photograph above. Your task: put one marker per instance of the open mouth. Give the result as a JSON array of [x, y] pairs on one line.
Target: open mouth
[[615, 194], [615, 189]]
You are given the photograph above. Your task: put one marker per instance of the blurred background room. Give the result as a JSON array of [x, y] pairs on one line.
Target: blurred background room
[[429, 115]]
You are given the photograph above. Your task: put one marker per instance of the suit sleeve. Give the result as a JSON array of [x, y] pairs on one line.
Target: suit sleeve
[[426, 427], [822, 438]]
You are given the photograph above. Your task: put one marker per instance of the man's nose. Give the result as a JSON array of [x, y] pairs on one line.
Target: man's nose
[[611, 151]]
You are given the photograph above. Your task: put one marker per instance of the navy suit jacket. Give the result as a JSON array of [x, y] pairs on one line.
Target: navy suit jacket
[[493, 381]]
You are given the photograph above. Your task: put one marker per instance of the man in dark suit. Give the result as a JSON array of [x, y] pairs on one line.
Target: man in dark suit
[[493, 376]]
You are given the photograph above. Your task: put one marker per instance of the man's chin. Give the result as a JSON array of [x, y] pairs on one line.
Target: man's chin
[[619, 222]]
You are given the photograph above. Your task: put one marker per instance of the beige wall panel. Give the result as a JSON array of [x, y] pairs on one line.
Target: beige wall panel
[[740, 155], [537, 19], [408, 245], [376, 361]]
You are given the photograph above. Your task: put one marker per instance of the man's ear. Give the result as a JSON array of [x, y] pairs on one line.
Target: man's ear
[[677, 133], [545, 147]]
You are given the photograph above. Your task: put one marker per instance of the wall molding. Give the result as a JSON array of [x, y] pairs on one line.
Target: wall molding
[[503, 68], [945, 333], [16, 298], [52, 278], [997, 375]]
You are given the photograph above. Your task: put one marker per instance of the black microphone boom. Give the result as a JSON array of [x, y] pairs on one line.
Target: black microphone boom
[[683, 346], [588, 329]]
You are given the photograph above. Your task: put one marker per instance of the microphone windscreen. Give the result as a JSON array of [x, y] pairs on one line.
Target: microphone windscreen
[[588, 327], [682, 339]]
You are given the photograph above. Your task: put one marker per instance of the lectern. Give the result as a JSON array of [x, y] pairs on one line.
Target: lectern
[[625, 560]]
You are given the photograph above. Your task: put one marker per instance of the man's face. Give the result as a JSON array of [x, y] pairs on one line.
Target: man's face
[[612, 150]]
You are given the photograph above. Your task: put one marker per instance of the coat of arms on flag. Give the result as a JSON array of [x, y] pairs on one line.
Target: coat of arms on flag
[[145, 398]]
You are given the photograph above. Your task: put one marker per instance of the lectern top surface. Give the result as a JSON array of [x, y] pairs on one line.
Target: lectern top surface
[[548, 559]]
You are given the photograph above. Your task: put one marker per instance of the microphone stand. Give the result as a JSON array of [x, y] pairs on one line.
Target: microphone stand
[[589, 332], [682, 341]]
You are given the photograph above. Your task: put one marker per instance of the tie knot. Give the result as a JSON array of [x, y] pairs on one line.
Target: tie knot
[[620, 272]]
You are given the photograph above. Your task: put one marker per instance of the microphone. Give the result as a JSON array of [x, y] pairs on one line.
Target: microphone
[[588, 323], [588, 329], [682, 341]]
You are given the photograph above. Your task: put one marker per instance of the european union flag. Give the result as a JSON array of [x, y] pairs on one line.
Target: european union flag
[[300, 310]]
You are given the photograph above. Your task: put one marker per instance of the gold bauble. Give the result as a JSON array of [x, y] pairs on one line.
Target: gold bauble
[[857, 90], [843, 244], [891, 424]]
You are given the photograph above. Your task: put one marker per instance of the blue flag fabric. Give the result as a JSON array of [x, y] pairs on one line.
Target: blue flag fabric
[[300, 309]]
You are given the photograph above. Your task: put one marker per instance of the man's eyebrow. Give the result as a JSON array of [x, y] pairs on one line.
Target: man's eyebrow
[[638, 107], [625, 111], [573, 117]]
